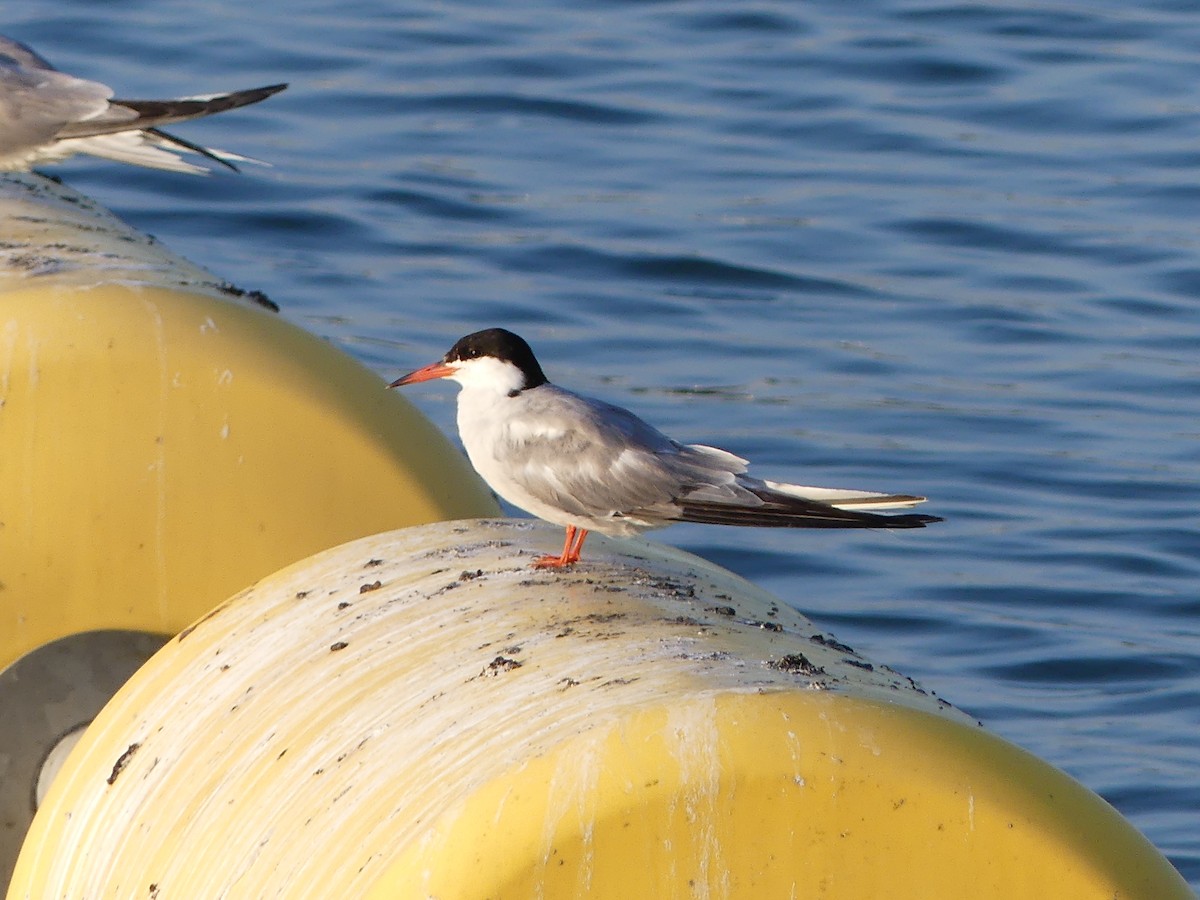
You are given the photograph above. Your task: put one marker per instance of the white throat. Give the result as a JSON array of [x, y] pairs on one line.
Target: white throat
[[484, 409], [487, 375]]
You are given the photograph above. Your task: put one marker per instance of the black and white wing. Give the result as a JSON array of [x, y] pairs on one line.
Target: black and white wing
[[592, 460], [776, 504], [47, 115]]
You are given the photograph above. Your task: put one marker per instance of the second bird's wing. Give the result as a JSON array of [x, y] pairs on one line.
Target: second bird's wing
[[36, 100], [123, 115]]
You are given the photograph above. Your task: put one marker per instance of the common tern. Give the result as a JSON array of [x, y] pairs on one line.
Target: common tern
[[47, 115], [590, 466]]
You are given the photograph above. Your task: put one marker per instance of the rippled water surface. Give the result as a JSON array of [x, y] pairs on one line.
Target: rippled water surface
[[948, 249]]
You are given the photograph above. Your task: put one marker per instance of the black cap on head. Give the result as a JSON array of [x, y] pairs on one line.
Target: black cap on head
[[503, 345]]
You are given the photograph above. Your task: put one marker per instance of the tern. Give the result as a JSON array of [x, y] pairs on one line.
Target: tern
[[590, 466], [47, 115]]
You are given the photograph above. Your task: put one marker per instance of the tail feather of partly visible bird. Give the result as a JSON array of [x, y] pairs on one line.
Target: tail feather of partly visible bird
[[128, 131], [223, 157], [139, 148], [152, 148]]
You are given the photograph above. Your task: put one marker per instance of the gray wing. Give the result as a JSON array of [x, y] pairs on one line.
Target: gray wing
[[37, 101], [40, 106], [594, 459]]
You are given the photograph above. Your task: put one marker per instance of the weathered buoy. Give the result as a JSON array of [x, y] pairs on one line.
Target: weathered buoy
[[420, 714], [165, 440]]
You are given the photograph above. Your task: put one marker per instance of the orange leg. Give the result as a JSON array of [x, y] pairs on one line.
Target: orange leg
[[570, 552], [578, 548]]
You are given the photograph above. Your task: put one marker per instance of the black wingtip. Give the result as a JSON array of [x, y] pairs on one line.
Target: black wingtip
[[796, 513], [911, 520], [189, 145], [254, 95], [165, 112]]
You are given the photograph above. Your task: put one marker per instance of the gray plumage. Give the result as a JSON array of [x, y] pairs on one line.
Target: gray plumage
[[47, 115], [586, 464]]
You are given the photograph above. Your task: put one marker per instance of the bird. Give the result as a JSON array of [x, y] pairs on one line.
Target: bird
[[588, 465], [47, 115]]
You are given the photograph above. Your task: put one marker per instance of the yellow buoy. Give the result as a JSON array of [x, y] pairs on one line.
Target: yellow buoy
[[420, 714], [163, 444], [165, 440]]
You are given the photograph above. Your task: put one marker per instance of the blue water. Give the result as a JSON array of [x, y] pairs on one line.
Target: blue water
[[951, 249]]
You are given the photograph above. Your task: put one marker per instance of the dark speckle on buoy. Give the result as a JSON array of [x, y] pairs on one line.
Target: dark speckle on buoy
[[372, 563], [338, 645], [614, 682], [212, 612], [367, 588], [603, 618], [826, 641], [503, 664], [678, 588], [797, 664], [256, 297], [122, 761]]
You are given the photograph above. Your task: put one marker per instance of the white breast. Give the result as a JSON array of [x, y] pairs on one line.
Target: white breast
[[486, 426]]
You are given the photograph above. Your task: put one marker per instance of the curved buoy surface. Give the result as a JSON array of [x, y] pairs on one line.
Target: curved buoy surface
[[163, 443], [420, 714]]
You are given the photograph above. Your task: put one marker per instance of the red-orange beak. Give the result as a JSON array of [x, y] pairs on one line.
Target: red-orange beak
[[430, 372]]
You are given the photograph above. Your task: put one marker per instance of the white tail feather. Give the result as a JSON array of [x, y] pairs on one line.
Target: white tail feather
[[130, 147], [846, 499], [141, 149]]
